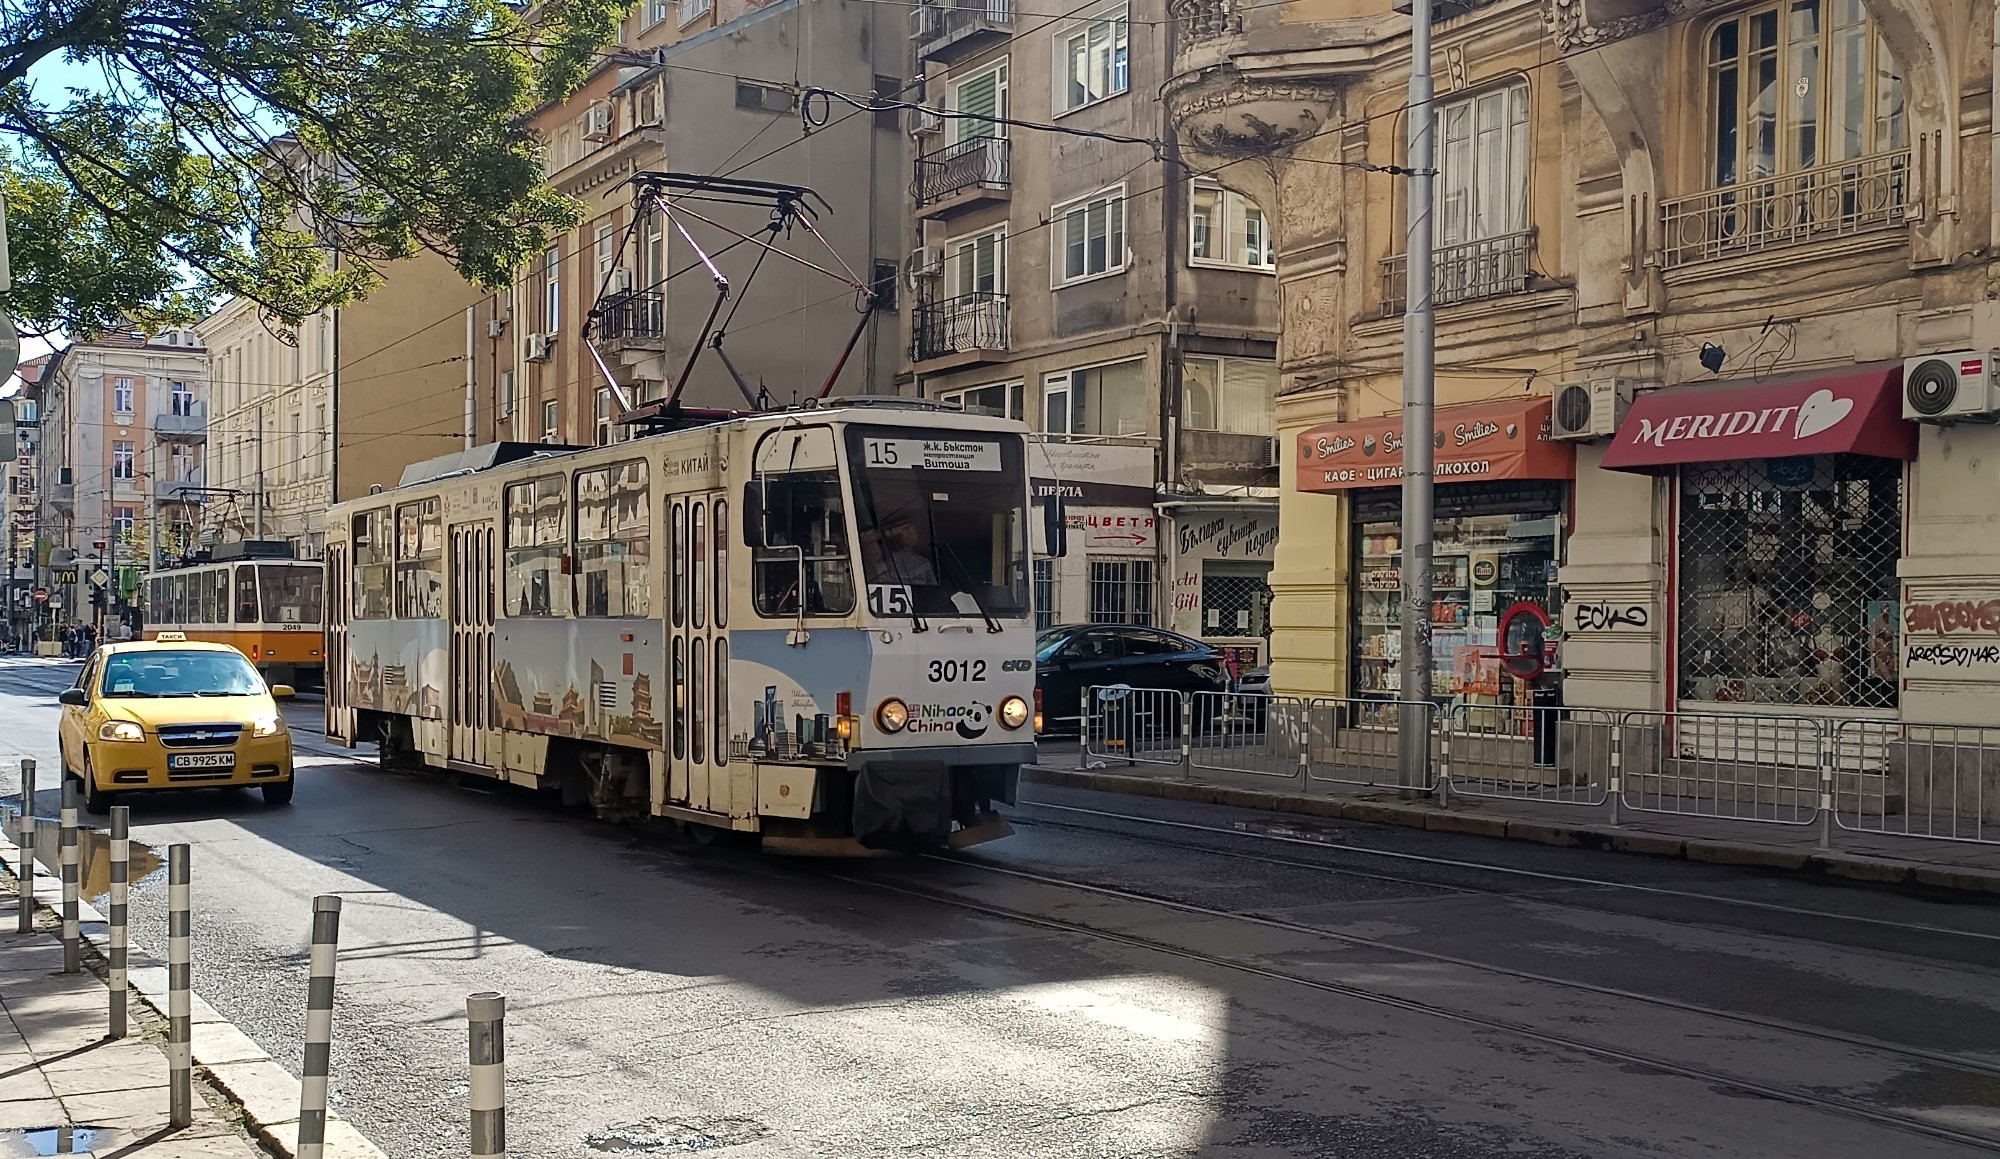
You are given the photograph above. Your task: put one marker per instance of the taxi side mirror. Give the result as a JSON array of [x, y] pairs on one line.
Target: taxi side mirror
[[282, 692], [73, 697]]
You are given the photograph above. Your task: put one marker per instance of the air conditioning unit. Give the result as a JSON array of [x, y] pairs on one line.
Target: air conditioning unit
[[1589, 410], [924, 122], [621, 281], [597, 123], [926, 261], [539, 347], [1955, 387], [495, 327]]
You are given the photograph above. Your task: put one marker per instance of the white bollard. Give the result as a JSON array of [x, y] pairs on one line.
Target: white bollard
[[121, 881], [486, 1034], [72, 939], [180, 1062], [319, 1028]]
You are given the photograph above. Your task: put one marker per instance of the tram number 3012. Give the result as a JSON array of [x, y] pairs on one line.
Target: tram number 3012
[[951, 671]]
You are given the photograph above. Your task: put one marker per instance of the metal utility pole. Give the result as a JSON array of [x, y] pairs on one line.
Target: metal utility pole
[[260, 471], [1419, 403]]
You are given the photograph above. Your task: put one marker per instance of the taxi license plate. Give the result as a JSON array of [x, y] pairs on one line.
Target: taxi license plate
[[202, 761]]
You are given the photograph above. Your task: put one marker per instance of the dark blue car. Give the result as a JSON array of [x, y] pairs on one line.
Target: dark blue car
[[1072, 657]]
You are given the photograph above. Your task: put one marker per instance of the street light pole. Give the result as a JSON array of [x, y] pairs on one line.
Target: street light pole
[[1419, 404]]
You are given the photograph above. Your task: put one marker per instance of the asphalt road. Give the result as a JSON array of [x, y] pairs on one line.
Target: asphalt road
[[1122, 978]]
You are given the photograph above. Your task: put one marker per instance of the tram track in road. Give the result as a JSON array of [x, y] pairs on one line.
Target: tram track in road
[[1846, 1108], [1556, 879]]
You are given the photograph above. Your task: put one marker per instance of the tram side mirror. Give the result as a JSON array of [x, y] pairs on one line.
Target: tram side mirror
[[1055, 530]]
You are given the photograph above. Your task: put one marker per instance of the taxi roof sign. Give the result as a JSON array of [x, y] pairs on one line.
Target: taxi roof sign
[[172, 637]]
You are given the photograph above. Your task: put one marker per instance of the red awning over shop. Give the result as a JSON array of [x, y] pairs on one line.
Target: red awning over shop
[[1488, 440], [1858, 411]]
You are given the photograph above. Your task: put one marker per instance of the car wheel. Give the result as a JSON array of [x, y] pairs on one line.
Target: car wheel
[[278, 793], [96, 801]]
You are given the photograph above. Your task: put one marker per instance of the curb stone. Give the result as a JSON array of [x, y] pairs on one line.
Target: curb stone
[[226, 1057], [1814, 863]]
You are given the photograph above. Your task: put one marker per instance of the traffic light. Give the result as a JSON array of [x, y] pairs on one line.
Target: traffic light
[[97, 595]]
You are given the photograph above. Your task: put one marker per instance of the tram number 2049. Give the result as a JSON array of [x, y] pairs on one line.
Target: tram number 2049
[[951, 671]]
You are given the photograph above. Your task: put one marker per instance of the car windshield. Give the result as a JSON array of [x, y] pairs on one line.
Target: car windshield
[[1047, 643], [176, 673]]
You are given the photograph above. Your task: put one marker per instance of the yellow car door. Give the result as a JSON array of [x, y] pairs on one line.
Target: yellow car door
[[75, 722]]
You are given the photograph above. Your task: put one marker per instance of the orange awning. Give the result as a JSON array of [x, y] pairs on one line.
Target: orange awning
[[1479, 441]]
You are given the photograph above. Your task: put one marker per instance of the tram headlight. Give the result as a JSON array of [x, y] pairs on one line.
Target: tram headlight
[[892, 715], [1013, 712]]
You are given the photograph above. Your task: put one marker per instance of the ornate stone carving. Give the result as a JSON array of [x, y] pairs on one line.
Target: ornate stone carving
[[1251, 118], [1206, 19], [1579, 24]]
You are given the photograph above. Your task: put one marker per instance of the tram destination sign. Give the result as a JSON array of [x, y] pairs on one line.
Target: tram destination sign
[[932, 454]]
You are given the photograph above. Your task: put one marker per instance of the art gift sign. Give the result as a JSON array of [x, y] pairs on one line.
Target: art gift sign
[[1201, 537]]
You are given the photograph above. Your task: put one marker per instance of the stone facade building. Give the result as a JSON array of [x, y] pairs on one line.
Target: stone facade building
[[1683, 254]]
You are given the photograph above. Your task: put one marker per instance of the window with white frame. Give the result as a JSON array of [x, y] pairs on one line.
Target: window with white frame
[[1090, 237], [122, 458], [183, 463], [976, 264], [653, 251], [121, 395], [123, 519], [505, 403], [693, 10], [1098, 400], [552, 271], [1226, 228], [655, 11], [1482, 181], [603, 416], [1091, 61], [323, 456], [181, 398], [606, 247], [1228, 394], [979, 96], [550, 415], [1001, 399]]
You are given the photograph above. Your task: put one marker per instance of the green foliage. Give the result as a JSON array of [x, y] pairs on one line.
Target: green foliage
[[282, 151]]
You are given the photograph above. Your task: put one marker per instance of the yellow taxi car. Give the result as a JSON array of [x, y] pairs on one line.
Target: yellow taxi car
[[171, 714]]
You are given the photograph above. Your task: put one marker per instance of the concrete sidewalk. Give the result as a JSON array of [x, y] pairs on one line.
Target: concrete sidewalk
[[68, 1089], [1859, 856]]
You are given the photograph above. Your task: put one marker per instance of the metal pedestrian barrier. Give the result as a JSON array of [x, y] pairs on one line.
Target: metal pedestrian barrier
[[1134, 725], [1358, 741], [1732, 766], [1940, 781], [1559, 756], [1252, 735]]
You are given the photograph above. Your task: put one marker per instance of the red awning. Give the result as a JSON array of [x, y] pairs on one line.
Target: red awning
[[1858, 411], [1474, 442]]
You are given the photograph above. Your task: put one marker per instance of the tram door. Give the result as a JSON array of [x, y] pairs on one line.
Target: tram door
[[697, 745], [339, 713], [471, 649]]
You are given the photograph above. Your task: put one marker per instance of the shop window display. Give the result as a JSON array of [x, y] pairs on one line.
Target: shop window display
[[1484, 564]]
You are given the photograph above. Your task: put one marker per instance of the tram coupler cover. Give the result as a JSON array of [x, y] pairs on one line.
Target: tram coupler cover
[[901, 804]]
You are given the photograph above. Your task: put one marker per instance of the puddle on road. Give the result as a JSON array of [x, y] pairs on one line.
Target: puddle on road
[[676, 1137], [48, 1141], [93, 848]]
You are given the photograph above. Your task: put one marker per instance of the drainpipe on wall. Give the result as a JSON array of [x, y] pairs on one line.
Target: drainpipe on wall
[[1172, 190], [471, 367]]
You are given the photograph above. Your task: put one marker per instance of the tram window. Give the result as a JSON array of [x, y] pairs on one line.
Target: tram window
[[293, 592], [795, 508], [177, 600], [218, 586], [419, 562], [156, 610], [697, 699], [698, 562], [373, 564], [678, 545], [680, 697], [721, 584], [205, 583], [721, 699], [537, 535], [613, 541]]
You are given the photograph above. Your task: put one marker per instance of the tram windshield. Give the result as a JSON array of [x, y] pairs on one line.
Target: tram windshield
[[292, 592], [942, 522]]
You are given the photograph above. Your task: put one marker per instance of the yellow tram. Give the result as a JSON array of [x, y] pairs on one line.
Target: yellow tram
[[252, 596]]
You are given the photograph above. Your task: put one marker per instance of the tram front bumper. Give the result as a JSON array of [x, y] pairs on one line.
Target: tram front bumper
[[914, 796]]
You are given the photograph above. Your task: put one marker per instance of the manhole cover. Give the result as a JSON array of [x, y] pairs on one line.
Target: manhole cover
[[676, 1136]]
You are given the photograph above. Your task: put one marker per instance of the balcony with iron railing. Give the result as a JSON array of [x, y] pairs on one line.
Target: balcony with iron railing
[[1205, 20], [962, 175], [629, 321], [1846, 199], [965, 329], [1488, 268], [191, 427], [943, 29]]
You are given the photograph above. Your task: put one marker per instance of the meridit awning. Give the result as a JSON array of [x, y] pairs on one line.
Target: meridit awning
[[1858, 411], [1475, 442]]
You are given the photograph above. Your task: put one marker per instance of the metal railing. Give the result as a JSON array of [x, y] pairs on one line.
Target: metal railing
[[1205, 19], [939, 26], [978, 162], [1873, 776], [960, 325], [632, 318], [1487, 268], [1838, 200]]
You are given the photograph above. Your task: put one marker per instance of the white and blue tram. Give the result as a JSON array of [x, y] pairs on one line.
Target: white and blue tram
[[814, 625]]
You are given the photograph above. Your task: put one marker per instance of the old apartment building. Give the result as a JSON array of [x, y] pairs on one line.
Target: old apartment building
[[122, 445], [708, 87], [271, 434], [1698, 268], [1121, 303]]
